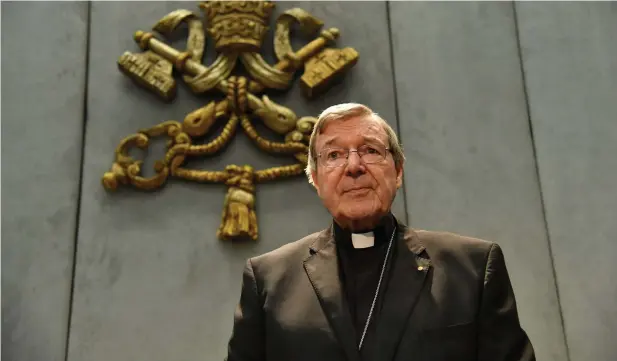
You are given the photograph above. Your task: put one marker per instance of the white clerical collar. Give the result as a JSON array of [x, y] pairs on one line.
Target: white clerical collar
[[363, 240]]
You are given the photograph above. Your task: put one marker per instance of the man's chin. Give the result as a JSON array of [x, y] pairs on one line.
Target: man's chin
[[360, 214]]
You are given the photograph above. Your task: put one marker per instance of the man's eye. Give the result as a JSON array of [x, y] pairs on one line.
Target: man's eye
[[334, 154], [371, 150]]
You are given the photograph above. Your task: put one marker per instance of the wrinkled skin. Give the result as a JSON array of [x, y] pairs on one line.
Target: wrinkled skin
[[357, 195]]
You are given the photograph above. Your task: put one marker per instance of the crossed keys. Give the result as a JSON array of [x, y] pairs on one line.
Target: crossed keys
[[238, 29]]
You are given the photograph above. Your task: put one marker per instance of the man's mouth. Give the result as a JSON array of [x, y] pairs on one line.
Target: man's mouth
[[358, 190]]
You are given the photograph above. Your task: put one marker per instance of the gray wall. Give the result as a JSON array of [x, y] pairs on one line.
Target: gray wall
[[569, 53], [507, 114], [43, 83], [465, 128]]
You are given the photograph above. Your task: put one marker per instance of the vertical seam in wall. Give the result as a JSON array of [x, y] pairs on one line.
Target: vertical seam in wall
[[537, 168], [396, 107], [81, 173]]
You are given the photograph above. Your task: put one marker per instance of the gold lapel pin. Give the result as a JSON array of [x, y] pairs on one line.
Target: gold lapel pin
[[423, 264]]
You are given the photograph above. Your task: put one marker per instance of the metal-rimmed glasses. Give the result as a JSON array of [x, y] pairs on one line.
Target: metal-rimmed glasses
[[337, 157]]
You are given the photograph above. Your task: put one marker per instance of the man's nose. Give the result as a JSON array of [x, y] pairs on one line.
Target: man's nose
[[355, 166]]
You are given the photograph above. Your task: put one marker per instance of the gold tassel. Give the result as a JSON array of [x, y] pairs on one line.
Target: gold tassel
[[239, 219]]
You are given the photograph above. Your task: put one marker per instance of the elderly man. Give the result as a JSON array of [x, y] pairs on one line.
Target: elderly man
[[368, 287]]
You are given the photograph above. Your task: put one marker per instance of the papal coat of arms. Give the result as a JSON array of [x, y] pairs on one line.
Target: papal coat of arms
[[238, 29]]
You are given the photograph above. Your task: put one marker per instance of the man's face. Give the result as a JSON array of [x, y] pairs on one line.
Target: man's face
[[357, 194]]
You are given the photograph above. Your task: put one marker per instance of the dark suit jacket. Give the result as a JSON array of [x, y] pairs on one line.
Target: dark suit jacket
[[448, 297]]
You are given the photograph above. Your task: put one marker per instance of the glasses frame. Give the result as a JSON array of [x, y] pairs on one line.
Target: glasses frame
[[349, 151]]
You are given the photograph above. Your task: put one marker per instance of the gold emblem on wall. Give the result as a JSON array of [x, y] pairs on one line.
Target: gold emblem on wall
[[238, 29]]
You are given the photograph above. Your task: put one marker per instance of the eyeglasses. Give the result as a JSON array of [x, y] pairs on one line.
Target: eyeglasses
[[336, 157]]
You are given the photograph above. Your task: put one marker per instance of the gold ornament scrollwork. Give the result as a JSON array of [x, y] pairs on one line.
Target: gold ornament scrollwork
[[309, 25], [265, 74], [196, 42], [238, 29]]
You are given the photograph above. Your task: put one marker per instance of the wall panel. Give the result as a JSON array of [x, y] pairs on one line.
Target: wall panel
[[464, 125], [569, 55], [43, 82], [153, 282]]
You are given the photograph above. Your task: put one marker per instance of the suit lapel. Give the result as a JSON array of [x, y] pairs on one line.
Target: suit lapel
[[407, 276], [322, 270]]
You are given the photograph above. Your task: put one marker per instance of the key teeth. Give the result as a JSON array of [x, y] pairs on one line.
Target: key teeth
[[147, 76]]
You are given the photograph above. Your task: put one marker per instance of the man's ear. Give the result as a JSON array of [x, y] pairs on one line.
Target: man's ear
[[399, 176], [314, 179]]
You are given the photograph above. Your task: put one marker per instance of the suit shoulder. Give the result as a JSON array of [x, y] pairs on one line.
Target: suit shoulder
[[449, 239], [289, 252], [283, 263], [440, 244]]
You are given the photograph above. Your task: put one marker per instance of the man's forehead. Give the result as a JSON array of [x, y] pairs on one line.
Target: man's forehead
[[366, 128], [360, 121], [334, 139]]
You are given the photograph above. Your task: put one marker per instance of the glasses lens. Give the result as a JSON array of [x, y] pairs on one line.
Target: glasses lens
[[334, 157], [372, 153]]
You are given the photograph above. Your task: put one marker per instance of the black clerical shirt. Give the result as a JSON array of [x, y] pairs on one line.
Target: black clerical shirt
[[359, 270]]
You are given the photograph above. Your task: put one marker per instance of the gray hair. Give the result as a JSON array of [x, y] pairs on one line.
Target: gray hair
[[345, 111]]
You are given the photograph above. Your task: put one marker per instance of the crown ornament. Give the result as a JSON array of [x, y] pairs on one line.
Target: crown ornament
[[237, 26]]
